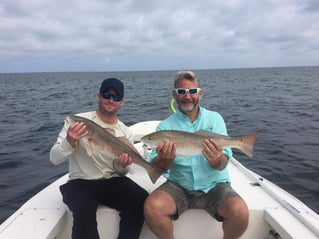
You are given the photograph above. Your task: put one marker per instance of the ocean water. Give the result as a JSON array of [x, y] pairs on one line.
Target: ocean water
[[282, 104]]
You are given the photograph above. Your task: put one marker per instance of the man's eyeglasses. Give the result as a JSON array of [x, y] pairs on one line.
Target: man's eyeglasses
[[193, 91], [108, 95]]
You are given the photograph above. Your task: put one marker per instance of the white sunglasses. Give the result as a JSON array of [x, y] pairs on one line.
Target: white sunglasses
[[193, 91]]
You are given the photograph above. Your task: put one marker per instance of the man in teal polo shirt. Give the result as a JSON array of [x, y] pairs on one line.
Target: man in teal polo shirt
[[192, 177]]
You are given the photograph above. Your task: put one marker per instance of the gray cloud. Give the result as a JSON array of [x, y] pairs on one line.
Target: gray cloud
[[170, 34]]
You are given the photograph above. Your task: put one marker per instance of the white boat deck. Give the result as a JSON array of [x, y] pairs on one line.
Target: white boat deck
[[44, 215]]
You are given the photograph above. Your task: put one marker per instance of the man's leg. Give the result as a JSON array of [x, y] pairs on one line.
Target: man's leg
[[124, 195], [158, 209], [79, 200], [226, 205], [235, 217]]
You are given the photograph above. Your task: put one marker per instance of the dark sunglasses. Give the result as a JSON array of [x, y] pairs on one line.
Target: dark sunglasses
[[108, 95], [193, 91]]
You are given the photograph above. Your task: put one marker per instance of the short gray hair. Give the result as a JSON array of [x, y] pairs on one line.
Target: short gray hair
[[185, 75]]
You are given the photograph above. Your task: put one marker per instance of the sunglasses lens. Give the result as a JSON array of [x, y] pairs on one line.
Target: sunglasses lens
[[107, 95], [117, 97], [181, 91], [193, 91]]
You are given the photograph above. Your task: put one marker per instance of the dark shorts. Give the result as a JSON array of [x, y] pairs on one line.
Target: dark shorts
[[185, 199]]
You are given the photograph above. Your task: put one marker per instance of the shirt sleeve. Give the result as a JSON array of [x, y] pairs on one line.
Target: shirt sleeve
[[61, 150]]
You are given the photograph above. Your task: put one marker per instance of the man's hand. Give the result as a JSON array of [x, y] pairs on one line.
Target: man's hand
[[124, 160], [213, 152], [166, 153], [75, 132], [121, 164]]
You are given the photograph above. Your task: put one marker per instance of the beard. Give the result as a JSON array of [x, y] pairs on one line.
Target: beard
[[187, 105], [109, 112]]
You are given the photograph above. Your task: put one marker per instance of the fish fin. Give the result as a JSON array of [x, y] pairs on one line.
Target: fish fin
[[88, 147], [248, 144], [209, 134], [110, 131], [154, 173]]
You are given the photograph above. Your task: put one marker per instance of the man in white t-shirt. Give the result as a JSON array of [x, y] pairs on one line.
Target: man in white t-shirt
[[89, 186]]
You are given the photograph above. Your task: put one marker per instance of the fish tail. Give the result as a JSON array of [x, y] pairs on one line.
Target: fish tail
[[154, 173], [248, 144]]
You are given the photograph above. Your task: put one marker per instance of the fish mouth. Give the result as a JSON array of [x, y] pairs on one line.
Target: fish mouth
[[148, 145]]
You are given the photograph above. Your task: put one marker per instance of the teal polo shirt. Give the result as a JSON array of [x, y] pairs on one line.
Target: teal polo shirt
[[194, 172]]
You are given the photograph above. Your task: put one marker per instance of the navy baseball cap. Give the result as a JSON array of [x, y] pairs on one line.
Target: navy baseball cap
[[112, 83]]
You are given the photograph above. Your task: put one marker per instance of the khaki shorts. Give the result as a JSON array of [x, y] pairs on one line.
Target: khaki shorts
[[185, 199]]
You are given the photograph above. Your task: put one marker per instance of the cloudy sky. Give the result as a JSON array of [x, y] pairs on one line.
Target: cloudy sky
[[126, 35]]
